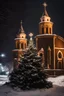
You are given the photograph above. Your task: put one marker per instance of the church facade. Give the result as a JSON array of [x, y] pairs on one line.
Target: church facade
[[50, 46]]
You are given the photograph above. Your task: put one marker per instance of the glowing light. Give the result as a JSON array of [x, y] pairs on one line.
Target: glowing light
[[2, 55], [31, 34]]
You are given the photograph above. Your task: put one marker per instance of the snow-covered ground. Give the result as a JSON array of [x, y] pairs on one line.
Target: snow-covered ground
[[4, 71], [59, 81], [3, 79], [55, 91]]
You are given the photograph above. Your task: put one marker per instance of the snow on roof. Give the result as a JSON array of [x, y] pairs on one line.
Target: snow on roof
[[61, 38], [46, 35], [20, 39], [42, 35], [18, 50]]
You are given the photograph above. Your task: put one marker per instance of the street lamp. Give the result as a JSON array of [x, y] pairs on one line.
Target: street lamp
[[3, 69], [2, 58], [2, 55]]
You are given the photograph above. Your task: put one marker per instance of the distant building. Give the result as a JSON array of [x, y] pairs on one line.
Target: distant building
[[50, 46]]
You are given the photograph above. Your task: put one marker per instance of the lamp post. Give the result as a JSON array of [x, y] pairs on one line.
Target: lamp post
[[2, 55], [2, 58], [3, 68]]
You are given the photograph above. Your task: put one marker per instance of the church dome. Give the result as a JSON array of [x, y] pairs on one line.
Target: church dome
[[45, 17], [22, 35]]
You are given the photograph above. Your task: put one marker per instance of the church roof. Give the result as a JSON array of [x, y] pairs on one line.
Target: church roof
[[20, 38], [50, 35], [22, 29], [45, 17], [40, 35], [22, 33], [19, 50]]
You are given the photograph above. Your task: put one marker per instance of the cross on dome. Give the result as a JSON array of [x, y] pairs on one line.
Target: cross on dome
[[22, 30], [21, 22], [44, 4], [45, 12]]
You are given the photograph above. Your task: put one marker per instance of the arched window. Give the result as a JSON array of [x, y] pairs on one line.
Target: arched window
[[22, 45], [59, 55], [22, 37], [41, 54], [47, 30], [47, 19], [50, 30], [59, 59], [25, 45], [42, 30]]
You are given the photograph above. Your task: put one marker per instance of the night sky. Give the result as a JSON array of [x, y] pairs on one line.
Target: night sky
[[29, 11]]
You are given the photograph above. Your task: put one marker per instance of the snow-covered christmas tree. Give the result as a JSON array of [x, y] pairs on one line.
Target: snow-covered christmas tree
[[30, 73]]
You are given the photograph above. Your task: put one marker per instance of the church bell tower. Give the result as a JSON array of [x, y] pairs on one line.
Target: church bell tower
[[45, 38], [45, 25], [21, 45], [21, 41]]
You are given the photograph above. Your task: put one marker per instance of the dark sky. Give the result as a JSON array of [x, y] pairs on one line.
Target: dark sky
[[29, 11]]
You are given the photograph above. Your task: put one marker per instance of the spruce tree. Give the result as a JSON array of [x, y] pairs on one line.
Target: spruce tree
[[30, 73]]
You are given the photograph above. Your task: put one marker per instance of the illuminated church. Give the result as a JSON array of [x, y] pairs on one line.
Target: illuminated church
[[50, 46]]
